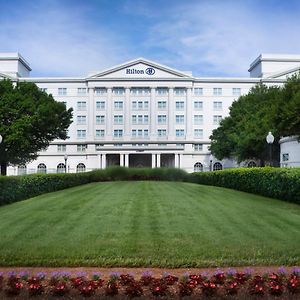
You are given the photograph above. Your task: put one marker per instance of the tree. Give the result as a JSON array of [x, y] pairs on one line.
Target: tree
[[242, 134], [29, 120]]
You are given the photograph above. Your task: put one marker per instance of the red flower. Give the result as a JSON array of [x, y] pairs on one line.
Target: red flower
[[134, 289], [185, 288], [170, 279], [14, 286], [112, 288], [293, 284], [60, 288], [209, 288], [87, 289], [146, 279], [158, 288], [275, 288], [126, 279], [232, 287], [77, 281]]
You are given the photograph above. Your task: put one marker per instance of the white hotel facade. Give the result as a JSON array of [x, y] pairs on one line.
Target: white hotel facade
[[143, 114]]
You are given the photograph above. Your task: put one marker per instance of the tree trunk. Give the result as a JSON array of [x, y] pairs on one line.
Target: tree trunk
[[3, 168]]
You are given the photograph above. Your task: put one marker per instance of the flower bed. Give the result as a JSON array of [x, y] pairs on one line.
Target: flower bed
[[229, 284]]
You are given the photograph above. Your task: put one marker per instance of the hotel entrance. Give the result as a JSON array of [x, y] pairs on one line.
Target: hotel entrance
[[140, 160]]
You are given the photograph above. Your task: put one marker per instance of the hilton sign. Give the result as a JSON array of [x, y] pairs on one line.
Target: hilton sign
[[148, 71]]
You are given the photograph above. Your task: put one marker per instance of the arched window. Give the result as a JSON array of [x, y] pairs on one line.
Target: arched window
[[22, 170], [80, 168], [61, 168], [41, 169], [198, 167], [251, 164], [217, 166]]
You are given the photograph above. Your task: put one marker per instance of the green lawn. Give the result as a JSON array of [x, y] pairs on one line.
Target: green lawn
[[167, 224]]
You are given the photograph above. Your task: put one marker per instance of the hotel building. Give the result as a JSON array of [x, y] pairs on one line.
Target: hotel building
[[142, 114]]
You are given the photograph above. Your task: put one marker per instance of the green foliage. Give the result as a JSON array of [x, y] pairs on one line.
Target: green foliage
[[277, 183], [29, 120], [16, 188]]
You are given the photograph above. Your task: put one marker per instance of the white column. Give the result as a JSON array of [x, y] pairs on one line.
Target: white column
[[176, 160], [152, 114], [180, 165], [188, 114], [127, 114], [153, 161], [100, 161], [126, 160], [90, 116], [109, 117], [171, 111], [158, 160], [121, 160], [103, 164]]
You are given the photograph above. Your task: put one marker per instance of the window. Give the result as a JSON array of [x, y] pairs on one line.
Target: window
[[61, 148], [81, 148], [100, 133], [236, 91], [217, 105], [146, 132], [198, 147], [179, 119], [251, 164], [140, 104], [100, 105], [198, 167], [61, 168], [133, 132], [146, 119], [118, 119], [64, 103], [81, 105], [179, 105], [179, 132], [118, 133], [198, 119], [118, 91], [217, 120], [161, 91], [80, 168], [100, 119], [118, 105], [146, 104], [22, 170], [179, 91], [140, 132], [285, 156], [161, 132], [217, 166], [100, 91], [81, 134], [140, 119], [62, 91], [41, 169], [140, 91], [198, 133], [81, 120], [161, 119], [98, 146], [162, 104], [81, 91], [217, 91], [44, 90], [198, 105], [134, 105], [134, 119], [198, 91]]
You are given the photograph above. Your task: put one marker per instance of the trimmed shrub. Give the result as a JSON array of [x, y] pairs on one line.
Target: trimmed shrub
[[280, 183]]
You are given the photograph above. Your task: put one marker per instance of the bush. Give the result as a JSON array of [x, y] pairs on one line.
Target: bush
[[281, 183]]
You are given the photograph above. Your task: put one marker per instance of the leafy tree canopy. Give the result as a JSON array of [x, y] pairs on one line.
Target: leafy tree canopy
[[29, 120], [242, 135]]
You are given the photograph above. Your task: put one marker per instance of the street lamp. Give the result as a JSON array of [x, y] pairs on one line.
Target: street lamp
[[66, 158], [270, 140], [210, 162]]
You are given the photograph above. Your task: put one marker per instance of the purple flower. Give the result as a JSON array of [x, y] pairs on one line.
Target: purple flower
[[1, 274], [81, 274], [218, 271], [248, 271], [114, 275], [147, 273], [231, 271], [281, 270], [12, 274], [96, 275], [166, 274], [24, 274], [204, 274], [64, 274], [296, 270], [55, 274], [41, 275]]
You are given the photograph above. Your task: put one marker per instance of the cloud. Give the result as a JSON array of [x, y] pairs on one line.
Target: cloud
[[59, 40]]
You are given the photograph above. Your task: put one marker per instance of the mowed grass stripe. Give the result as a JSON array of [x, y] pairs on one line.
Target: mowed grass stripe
[[167, 224]]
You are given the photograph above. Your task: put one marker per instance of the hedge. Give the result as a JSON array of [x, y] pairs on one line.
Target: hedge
[[280, 183], [16, 188]]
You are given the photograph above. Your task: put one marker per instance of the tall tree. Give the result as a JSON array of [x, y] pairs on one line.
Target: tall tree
[[242, 134], [29, 120]]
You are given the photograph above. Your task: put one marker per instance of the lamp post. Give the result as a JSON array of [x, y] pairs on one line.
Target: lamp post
[[270, 140], [66, 158], [210, 162]]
